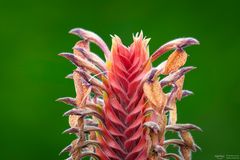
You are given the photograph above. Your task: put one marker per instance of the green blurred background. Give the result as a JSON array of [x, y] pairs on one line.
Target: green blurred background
[[32, 33]]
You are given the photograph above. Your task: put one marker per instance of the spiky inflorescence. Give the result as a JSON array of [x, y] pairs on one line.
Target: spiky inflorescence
[[120, 110]]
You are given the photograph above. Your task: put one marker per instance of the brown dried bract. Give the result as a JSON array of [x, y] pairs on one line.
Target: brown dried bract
[[176, 60]]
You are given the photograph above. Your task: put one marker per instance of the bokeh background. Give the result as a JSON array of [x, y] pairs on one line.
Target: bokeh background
[[32, 33]]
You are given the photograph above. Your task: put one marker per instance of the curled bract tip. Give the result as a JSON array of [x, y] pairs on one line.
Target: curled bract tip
[[188, 41], [92, 37], [77, 31], [178, 43]]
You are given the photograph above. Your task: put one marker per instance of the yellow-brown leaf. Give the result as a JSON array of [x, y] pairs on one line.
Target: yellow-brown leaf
[[82, 91], [176, 60], [185, 152], [73, 121], [179, 84], [173, 113], [187, 138], [155, 95]]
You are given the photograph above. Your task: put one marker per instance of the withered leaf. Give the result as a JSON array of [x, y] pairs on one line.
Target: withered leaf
[[82, 90], [172, 113], [179, 84], [73, 121], [186, 152], [155, 95], [75, 151], [176, 60], [188, 140]]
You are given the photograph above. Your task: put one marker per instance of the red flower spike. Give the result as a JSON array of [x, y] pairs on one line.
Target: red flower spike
[[120, 109]]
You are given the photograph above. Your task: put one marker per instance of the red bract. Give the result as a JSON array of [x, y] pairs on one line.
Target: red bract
[[120, 110]]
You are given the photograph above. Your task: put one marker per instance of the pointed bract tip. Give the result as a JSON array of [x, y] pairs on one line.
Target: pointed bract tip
[[192, 41], [66, 149], [69, 158], [141, 34], [73, 112], [186, 93], [70, 131], [67, 100], [186, 69], [184, 42], [69, 76], [68, 113], [58, 100], [76, 31], [64, 54], [181, 127], [199, 148], [63, 99], [68, 56]]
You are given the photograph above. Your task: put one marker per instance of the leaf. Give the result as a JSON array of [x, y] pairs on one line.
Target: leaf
[[154, 93], [172, 113], [176, 60], [82, 90], [179, 84], [73, 121], [188, 140], [185, 152], [75, 153]]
